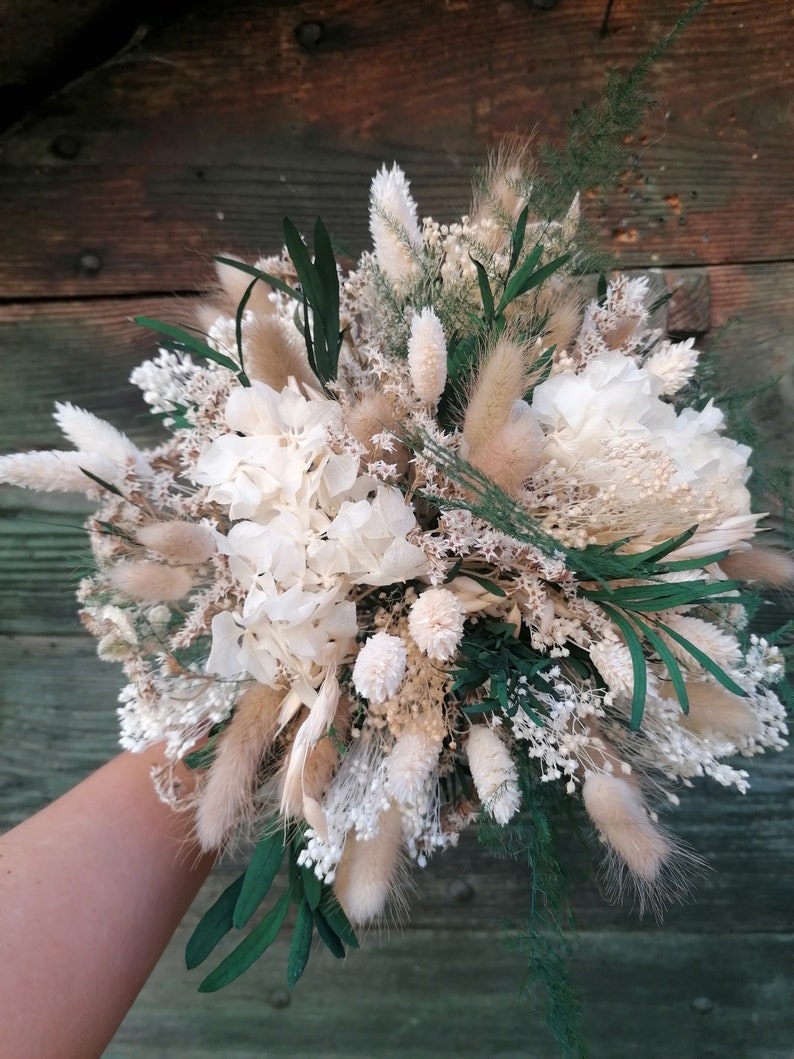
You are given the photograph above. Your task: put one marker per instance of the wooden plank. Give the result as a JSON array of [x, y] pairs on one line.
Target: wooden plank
[[453, 993], [221, 122], [81, 352]]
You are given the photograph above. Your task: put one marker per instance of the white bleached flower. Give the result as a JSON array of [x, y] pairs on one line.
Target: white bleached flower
[[379, 667], [394, 224], [436, 623], [494, 774], [427, 356], [673, 364]]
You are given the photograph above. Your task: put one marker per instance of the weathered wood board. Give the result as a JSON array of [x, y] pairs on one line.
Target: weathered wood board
[[114, 194]]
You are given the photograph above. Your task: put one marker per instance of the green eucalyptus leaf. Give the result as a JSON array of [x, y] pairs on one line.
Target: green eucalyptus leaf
[[301, 944], [327, 935], [337, 920], [259, 876], [312, 887], [639, 671], [517, 239], [214, 925], [272, 281], [190, 342], [105, 485], [250, 948], [708, 664], [485, 290], [524, 272], [670, 662]]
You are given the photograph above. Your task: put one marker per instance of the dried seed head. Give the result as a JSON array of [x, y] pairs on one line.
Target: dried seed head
[[760, 564], [183, 543], [617, 809], [369, 870], [427, 357], [149, 581], [501, 381], [370, 416], [512, 452], [714, 709], [274, 352], [227, 797]]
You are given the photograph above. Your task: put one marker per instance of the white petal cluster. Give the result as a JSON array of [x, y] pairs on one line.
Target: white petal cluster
[[379, 667], [307, 527], [608, 422], [436, 623]]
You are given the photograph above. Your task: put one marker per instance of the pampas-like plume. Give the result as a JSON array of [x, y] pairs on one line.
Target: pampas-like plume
[[89, 433], [497, 195], [713, 709], [183, 543], [234, 283], [427, 356], [274, 352], [370, 416], [512, 452], [564, 321], [149, 581], [501, 381], [394, 223], [234, 774], [368, 871], [54, 471], [760, 564], [616, 807], [494, 774]]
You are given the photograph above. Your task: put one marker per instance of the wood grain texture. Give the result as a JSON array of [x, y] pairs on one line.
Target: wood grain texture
[[453, 993], [219, 123]]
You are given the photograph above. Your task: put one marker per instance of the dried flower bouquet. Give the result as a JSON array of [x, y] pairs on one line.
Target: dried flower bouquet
[[427, 541]]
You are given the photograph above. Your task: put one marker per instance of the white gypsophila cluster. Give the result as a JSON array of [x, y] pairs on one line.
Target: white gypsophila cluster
[[171, 710], [352, 806], [564, 744]]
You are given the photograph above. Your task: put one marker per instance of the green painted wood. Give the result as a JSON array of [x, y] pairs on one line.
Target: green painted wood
[[453, 993]]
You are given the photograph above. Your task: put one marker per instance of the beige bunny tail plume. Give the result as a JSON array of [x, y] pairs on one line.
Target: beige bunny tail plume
[[369, 871], [641, 856], [225, 799], [760, 564]]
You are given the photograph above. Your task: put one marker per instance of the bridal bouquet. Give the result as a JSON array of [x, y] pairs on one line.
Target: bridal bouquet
[[428, 540]]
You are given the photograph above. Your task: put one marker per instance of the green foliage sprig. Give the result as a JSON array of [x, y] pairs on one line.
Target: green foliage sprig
[[544, 936], [316, 909]]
